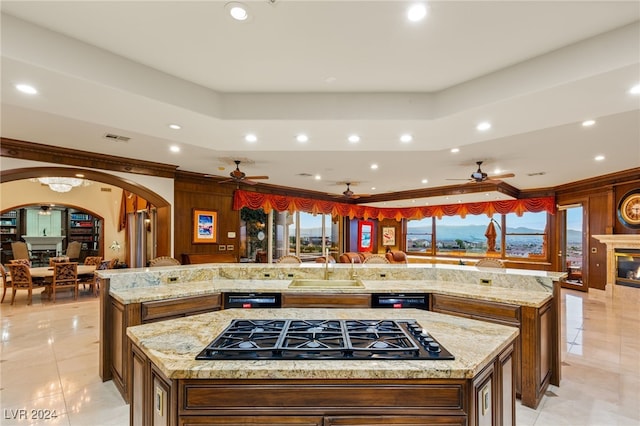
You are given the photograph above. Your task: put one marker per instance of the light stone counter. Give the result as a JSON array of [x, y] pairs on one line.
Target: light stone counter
[[472, 291], [173, 345]]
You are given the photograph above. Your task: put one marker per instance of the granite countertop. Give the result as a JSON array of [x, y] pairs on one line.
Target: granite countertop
[[173, 345], [472, 291]]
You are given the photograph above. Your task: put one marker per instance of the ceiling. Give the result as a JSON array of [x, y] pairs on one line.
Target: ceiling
[[534, 69]]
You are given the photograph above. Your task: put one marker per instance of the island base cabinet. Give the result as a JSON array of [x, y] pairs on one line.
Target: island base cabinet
[[487, 399]]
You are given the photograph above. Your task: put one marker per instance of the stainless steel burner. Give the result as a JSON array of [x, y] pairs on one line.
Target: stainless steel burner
[[324, 339]]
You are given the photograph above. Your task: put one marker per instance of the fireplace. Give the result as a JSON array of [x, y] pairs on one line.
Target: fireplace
[[628, 246], [628, 267]]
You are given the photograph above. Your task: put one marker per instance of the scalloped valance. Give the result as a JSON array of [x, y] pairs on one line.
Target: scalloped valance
[[268, 202]]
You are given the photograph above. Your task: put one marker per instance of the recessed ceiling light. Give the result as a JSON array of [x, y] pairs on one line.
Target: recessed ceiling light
[[174, 148], [251, 138], [485, 125], [373, 188], [425, 181], [302, 138], [455, 150], [406, 138], [238, 11], [374, 166], [175, 126], [80, 175], [318, 177], [354, 138], [496, 171], [635, 90], [599, 157], [588, 123], [25, 88], [417, 12]]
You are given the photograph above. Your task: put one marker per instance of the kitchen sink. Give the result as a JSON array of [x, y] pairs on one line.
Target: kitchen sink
[[320, 283]]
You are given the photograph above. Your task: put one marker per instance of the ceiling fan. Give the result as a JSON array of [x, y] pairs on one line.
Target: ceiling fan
[[348, 193], [238, 176], [479, 176]]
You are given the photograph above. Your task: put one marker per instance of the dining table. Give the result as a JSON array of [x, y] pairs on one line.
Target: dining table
[[47, 271]]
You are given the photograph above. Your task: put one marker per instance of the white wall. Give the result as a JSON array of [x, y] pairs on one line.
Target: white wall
[[106, 204]]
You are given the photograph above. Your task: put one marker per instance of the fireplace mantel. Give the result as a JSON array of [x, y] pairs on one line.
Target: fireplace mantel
[[613, 242]]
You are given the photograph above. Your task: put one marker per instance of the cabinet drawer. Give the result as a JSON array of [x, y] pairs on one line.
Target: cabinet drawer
[[479, 309], [183, 306], [323, 300]]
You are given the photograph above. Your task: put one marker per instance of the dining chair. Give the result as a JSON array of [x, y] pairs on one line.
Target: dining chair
[[57, 259], [6, 281], [90, 279], [164, 261], [21, 280], [65, 275], [289, 258], [489, 262], [20, 251], [73, 250], [95, 283], [376, 258]]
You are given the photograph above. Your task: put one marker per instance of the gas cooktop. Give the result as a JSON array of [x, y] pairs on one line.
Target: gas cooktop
[[246, 339]]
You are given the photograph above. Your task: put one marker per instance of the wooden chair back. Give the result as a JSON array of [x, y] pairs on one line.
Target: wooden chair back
[[376, 258], [92, 260], [65, 275], [164, 261], [396, 256], [20, 250], [20, 280], [73, 250], [490, 263]]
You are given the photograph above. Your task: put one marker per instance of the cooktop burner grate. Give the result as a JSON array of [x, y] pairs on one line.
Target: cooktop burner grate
[[324, 340]]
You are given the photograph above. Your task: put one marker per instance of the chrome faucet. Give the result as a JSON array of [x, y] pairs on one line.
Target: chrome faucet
[[326, 265], [354, 274]]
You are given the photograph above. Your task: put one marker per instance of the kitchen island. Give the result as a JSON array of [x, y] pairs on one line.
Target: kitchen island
[[170, 387], [527, 300]]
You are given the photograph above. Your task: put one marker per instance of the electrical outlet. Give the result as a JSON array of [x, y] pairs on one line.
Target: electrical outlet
[[267, 275], [383, 275], [485, 281], [289, 275], [172, 279]]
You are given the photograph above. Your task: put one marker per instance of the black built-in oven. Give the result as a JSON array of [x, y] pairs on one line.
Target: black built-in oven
[[252, 300], [400, 300]]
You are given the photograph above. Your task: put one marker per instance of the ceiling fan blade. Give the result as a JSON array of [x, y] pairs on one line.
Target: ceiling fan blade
[[256, 177], [460, 179], [502, 176], [227, 180]]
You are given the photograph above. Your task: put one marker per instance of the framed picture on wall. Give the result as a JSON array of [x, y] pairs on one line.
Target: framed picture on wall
[[388, 236], [365, 235], [205, 223]]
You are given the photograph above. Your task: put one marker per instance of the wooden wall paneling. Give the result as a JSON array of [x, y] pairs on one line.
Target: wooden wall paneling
[[599, 219], [206, 194]]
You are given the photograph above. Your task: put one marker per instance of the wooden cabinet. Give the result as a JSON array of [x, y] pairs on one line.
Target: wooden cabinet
[[121, 316], [535, 347], [337, 402], [325, 300]]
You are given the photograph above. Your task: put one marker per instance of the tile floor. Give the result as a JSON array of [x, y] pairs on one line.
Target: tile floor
[[49, 361]]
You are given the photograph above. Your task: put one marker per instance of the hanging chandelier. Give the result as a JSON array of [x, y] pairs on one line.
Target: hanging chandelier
[[62, 184]]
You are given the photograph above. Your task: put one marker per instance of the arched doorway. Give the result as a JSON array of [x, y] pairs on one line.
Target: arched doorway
[[163, 208]]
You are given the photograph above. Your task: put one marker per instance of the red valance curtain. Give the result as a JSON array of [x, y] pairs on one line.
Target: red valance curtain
[[268, 202]]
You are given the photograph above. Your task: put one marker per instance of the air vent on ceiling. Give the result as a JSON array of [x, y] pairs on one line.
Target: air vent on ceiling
[[537, 174], [103, 189], [304, 174], [114, 137]]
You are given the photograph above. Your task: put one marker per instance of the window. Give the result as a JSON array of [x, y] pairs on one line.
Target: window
[[525, 236], [419, 235], [456, 236], [301, 234]]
